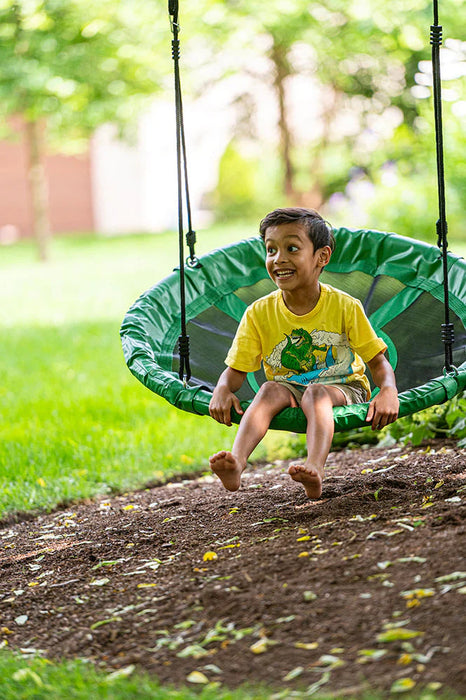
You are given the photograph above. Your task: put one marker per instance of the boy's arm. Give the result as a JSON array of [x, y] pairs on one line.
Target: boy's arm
[[224, 396], [383, 409]]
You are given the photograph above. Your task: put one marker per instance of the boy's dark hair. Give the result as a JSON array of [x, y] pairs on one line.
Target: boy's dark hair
[[319, 231]]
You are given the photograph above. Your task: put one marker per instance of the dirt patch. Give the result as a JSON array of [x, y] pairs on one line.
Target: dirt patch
[[361, 589]]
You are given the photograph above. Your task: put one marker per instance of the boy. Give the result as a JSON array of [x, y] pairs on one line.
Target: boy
[[313, 341]]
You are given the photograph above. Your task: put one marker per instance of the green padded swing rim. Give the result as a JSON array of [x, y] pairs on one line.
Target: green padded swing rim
[[151, 327]]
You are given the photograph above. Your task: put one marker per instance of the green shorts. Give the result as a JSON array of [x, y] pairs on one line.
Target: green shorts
[[355, 392]]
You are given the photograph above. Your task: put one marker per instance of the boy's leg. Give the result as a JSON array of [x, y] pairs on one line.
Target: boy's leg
[[271, 398], [317, 403]]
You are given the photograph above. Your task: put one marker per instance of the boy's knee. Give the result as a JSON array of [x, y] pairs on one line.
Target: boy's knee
[[269, 390], [313, 393], [273, 394]]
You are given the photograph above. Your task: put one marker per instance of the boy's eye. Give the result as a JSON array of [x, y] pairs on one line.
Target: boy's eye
[[292, 248], [271, 251]]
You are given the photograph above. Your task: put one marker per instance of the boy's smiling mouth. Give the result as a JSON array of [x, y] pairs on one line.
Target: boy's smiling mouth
[[283, 274]]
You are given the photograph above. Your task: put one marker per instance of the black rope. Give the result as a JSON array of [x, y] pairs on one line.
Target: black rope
[[182, 173], [442, 226]]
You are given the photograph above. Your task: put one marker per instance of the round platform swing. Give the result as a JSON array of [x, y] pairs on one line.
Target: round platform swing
[[409, 291]]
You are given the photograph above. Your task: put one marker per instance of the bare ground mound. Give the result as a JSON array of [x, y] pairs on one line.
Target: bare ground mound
[[364, 588]]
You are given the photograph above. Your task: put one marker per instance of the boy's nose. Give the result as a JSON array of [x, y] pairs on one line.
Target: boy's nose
[[280, 255]]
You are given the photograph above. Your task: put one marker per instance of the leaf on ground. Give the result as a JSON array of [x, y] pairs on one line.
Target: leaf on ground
[[21, 619], [262, 645], [414, 560], [384, 564], [106, 563], [366, 655], [397, 634], [100, 623], [26, 674], [210, 556], [402, 685], [315, 686], [197, 677], [294, 673], [99, 582], [185, 625], [330, 661], [382, 533], [194, 650], [454, 576], [306, 645], [418, 593], [213, 668], [123, 672]]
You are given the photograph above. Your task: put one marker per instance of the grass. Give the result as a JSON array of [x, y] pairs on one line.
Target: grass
[[39, 679], [73, 420]]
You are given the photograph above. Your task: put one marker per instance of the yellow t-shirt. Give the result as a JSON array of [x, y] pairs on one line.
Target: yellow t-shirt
[[329, 345]]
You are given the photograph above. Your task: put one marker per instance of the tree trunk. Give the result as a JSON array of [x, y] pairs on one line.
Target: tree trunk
[[314, 198], [38, 187], [282, 71]]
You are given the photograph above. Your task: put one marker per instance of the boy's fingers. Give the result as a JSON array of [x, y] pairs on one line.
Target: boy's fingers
[[370, 413], [237, 406]]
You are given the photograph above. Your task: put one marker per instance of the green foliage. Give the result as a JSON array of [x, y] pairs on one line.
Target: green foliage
[[75, 63], [446, 420], [356, 65], [235, 192]]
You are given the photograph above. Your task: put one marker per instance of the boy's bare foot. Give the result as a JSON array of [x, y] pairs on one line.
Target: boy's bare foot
[[309, 477], [228, 469]]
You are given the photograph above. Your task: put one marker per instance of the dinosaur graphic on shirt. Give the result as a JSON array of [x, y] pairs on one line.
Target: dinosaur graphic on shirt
[[298, 353], [311, 356]]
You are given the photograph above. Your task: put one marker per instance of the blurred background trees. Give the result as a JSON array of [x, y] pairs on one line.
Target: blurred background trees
[[69, 66], [355, 126], [330, 100]]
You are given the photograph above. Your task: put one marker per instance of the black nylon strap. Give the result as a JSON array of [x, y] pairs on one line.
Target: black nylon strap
[[442, 226]]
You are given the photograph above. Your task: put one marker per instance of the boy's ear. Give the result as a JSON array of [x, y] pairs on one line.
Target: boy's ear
[[324, 255]]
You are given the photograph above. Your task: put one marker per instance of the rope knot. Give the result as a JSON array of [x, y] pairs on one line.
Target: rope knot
[[436, 35], [183, 345], [176, 49], [448, 333]]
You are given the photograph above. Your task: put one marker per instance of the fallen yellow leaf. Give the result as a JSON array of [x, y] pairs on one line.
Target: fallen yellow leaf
[[259, 647], [209, 556], [306, 645], [197, 677]]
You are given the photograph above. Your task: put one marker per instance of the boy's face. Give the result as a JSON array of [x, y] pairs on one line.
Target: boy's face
[[291, 261]]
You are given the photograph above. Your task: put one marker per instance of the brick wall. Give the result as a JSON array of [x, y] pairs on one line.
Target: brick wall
[[69, 186]]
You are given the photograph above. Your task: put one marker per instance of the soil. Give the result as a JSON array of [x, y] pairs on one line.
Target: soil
[[362, 589]]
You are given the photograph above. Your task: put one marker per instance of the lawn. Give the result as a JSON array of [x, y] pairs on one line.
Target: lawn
[[74, 422]]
